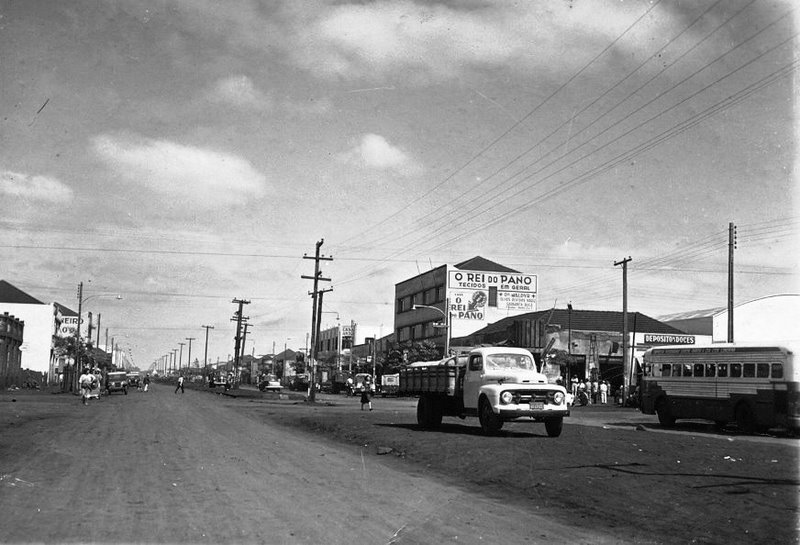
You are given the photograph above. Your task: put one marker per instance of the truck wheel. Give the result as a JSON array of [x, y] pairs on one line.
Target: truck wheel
[[665, 417], [429, 414], [554, 426], [490, 422]]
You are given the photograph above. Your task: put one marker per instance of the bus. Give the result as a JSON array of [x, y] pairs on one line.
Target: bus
[[754, 386]]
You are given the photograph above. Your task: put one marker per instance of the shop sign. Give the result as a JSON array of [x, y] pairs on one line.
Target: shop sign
[[655, 339]]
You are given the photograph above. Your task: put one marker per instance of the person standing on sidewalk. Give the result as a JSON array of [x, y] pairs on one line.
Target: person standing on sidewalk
[[365, 392], [146, 381], [180, 385]]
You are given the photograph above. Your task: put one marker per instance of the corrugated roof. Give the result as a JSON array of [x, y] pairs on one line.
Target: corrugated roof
[[479, 263], [12, 294], [578, 320]]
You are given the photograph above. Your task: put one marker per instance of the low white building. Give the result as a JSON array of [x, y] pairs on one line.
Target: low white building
[[39, 321], [774, 319]]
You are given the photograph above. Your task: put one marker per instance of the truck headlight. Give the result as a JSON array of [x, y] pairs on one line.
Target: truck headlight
[[506, 397], [558, 398]]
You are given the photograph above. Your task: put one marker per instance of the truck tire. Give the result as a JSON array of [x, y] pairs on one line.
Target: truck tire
[[429, 413], [554, 426], [491, 424]]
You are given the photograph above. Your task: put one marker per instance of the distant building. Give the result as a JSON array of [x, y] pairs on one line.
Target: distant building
[[771, 319], [11, 335], [473, 293], [37, 345], [593, 339]]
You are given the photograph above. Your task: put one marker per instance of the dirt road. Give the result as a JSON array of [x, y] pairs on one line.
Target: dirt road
[[165, 467]]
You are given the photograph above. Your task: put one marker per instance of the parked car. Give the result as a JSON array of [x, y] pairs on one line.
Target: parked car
[[117, 381], [134, 380]]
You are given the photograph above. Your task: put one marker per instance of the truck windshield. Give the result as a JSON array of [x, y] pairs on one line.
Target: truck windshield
[[509, 361]]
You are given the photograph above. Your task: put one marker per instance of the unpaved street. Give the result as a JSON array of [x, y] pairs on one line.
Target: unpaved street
[[165, 467]]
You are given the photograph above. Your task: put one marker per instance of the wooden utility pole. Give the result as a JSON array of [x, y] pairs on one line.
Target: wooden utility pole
[[314, 311], [626, 364], [205, 354], [238, 318], [731, 248], [189, 358], [180, 357]]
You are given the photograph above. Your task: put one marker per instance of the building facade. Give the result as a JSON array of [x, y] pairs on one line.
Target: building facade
[[592, 340], [37, 346], [455, 300], [11, 338]]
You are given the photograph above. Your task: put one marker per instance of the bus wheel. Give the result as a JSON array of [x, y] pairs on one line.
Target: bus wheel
[[665, 417], [745, 418]]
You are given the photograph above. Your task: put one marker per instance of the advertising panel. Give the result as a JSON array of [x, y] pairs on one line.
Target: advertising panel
[[655, 339], [469, 292]]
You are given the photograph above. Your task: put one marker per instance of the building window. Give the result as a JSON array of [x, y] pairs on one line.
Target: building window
[[439, 293], [400, 307], [492, 296]]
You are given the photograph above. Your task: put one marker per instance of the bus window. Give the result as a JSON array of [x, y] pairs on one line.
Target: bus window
[[687, 370], [666, 369], [762, 370], [722, 370], [736, 370], [749, 370], [711, 369], [676, 370], [698, 369], [777, 370]]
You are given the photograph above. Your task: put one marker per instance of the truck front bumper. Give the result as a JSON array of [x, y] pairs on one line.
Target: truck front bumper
[[511, 413]]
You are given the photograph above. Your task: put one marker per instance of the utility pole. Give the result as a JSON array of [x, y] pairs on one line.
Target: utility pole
[[189, 358], [244, 338], [238, 318], [97, 344], [315, 295], [75, 381], [626, 365], [731, 248], [180, 358], [205, 354], [174, 358]]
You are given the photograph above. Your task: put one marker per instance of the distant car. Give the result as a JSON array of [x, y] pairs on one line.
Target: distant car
[[270, 383], [117, 381], [134, 381]]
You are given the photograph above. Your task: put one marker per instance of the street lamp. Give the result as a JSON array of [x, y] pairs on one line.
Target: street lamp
[[446, 316]]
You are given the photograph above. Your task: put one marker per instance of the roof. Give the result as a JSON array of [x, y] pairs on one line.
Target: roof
[[577, 320], [64, 311], [691, 314], [12, 294], [479, 263]]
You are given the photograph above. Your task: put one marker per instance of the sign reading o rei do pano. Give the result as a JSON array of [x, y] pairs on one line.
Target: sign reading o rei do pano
[[469, 292]]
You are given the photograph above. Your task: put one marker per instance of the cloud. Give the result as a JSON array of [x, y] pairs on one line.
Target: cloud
[[423, 42], [374, 152], [33, 187], [239, 92], [203, 176]]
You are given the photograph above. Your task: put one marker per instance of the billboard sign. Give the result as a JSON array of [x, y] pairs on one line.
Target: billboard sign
[[469, 292]]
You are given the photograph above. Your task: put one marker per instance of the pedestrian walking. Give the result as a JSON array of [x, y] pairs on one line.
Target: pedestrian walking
[[365, 396], [146, 381], [180, 385], [604, 392], [574, 384], [85, 381], [595, 389]]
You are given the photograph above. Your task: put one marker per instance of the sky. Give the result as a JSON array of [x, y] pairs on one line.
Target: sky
[[186, 153]]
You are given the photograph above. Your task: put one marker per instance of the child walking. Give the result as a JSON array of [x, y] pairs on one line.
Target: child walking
[[365, 400]]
